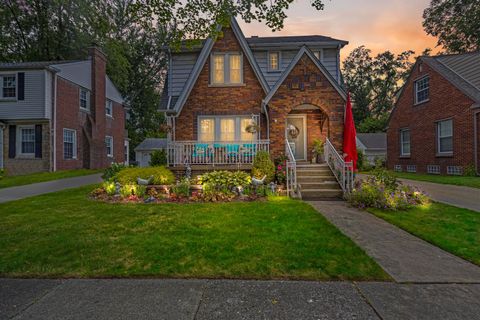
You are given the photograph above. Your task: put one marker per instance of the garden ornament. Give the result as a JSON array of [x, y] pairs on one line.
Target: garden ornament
[[188, 171], [273, 186], [118, 186], [258, 182], [144, 182], [238, 190]]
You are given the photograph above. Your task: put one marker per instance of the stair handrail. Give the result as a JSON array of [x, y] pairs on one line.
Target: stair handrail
[[291, 170], [343, 171]]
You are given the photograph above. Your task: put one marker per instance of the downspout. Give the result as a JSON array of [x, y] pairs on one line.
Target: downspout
[[475, 139], [264, 107], [54, 114]]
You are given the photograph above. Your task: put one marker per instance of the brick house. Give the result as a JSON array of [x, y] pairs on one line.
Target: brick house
[[435, 125], [229, 97], [60, 115]]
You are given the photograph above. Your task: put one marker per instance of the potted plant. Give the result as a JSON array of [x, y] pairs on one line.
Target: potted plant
[[317, 151]]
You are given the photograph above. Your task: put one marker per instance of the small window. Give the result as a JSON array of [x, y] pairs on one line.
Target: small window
[[69, 144], [455, 170], [27, 140], [445, 137], [274, 61], [227, 129], [411, 168], [319, 55], [422, 90], [227, 69], [9, 86], [405, 142], [218, 69], [84, 99], [207, 129], [433, 169], [109, 145], [398, 168], [109, 108]]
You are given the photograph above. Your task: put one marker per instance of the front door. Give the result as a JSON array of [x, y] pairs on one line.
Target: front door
[[296, 135]]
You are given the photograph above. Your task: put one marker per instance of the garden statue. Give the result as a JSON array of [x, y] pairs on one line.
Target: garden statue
[[118, 186], [258, 182], [144, 182], [273, 187], [188, 171], [238, 190]]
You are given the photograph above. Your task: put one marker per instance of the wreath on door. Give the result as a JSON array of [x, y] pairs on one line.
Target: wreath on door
[[293, 131]]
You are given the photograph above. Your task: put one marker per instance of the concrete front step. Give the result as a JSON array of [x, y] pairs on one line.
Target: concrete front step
[[315, 178], [311, 172], [320, 194], [332, 185]]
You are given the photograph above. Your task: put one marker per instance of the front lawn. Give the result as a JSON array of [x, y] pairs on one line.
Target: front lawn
[[15, 181], [453, 229], [466, 181], [65, 235]]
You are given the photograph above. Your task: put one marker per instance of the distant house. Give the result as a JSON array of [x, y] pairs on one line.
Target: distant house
[[143, 151], [60, 115], [373, 146], [435, 125]]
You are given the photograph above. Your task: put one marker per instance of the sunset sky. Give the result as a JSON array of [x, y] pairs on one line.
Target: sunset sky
[[380, 25]]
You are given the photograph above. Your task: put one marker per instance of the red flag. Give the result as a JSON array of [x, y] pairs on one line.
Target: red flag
[[350, 136]]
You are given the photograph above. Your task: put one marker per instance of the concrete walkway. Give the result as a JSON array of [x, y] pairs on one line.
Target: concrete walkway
[[405, 257], [233, 299], [15, 193], [463, 197]]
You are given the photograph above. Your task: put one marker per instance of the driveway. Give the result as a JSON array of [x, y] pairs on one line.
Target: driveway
[[233, 299], [29, 190]]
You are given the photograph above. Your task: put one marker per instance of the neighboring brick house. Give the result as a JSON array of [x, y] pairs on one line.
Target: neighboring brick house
[[60, 115], [227, 98], [435, 125]]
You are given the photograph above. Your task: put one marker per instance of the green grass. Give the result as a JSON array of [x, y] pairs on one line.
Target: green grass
[[451, 228], [14, 181], [66, 235], [473, 182]]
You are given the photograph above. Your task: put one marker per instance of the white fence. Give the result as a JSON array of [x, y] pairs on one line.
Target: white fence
[[292, 187]]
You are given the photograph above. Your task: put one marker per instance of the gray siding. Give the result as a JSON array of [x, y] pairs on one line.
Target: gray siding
[[33, 107], [179, 71]]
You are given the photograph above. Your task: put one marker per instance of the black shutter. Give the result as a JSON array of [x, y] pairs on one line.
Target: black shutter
[[38, 141], [12, 141], [21, 86]]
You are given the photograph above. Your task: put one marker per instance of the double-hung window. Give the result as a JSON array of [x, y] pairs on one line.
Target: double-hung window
[[8, 86], [27, 140], [69, 144], [227, 69], [445, 136], [422, 90], [109, 108], [109, 145], [84, 99], [274, 61], [225, 128], [405, 142]]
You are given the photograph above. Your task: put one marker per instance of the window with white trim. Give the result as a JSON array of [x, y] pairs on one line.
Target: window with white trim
[[109, 107], [319, 54], [225, 128], [422, 89], [109, 145], [27, 140], [455, 170], [433, 169], [445, 136], [405, 142], [84, 99], [411, 168], [227, 69], [274, 61], [8, 86], [69, 144]]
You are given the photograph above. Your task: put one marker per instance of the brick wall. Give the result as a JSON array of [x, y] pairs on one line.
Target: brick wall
[[445, 101], [314, 89]]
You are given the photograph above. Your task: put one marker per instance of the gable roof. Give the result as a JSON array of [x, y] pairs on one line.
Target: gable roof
[[309, 53], [375, 141], [461, 70], [152, 144], [205, 53], [255, 41]]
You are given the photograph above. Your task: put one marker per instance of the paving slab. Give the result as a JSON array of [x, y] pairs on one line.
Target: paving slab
[[35, 189], [405, 257], [235, 300], [119, 299], [18, 294], [427, 301]]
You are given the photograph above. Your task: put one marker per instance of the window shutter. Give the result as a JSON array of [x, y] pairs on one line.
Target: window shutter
[[38, 141], [12, 141], [21, 86]]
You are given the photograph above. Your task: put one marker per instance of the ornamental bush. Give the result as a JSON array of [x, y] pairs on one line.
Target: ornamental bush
[[160, 175], [110, 172], [263, 166], [225, 179], [158, 158]]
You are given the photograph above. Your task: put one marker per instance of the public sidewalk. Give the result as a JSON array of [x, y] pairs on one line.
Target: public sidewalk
[[29, 190], [233, 299]]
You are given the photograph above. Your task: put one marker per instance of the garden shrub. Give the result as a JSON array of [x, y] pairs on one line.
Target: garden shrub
[[468, 171], [263, 166], [133, 190], [158, 158], [160, 175], [2, 173], [111, 171], [225, 179], [182, 188], [109, 187], [281, 169]]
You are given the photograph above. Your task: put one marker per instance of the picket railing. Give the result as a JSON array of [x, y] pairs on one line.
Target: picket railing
[[214, 152], [342, 170], [291, 176]]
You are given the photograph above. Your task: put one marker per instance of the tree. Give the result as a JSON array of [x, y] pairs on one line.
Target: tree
[[456, 24]]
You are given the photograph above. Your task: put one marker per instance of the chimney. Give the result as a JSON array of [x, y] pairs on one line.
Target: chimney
[[98, 158]]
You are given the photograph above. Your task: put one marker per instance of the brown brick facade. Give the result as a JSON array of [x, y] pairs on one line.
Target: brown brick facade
[[445, 102]]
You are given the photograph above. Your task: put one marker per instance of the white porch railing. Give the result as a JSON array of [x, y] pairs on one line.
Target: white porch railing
[[342, 170], [291, 170], [215, 152]]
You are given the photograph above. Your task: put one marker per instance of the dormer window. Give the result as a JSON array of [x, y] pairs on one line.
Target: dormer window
[[227, 69], [422, 90], [273, 61]]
